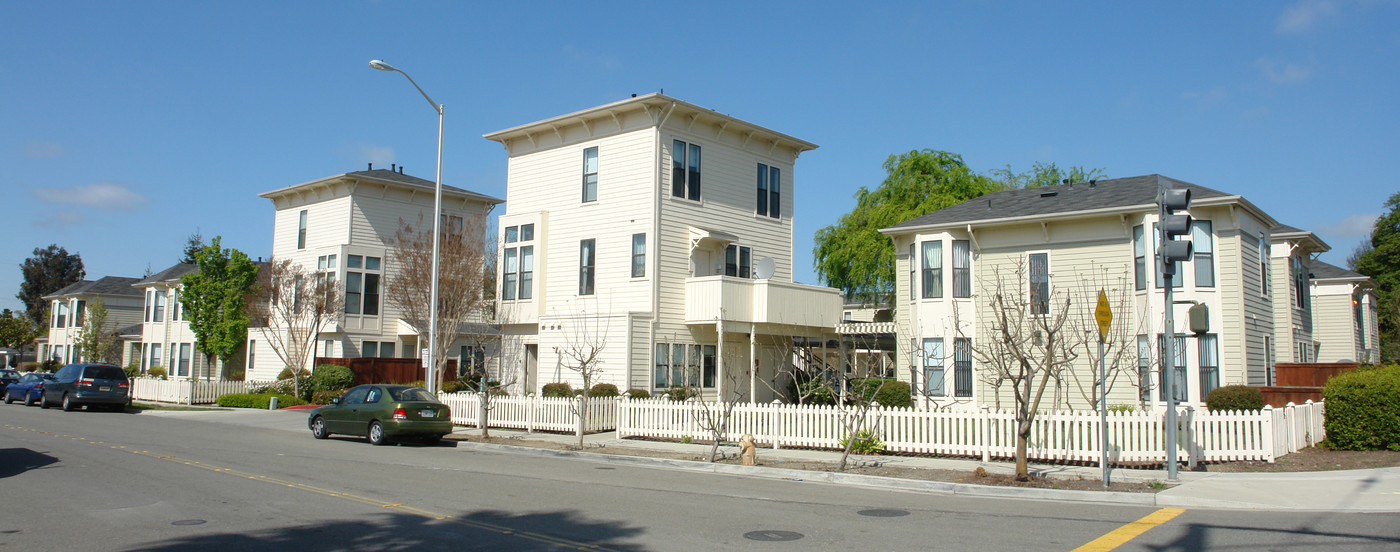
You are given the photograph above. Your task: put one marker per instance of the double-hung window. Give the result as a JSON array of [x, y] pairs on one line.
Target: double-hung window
[[639, 255], [913, 263], [586, 259], [184, 366], [301, 230], [933, 269], [1263, 265], [518, 265], [80, 312], [685, 170], [1300, 282], [1139, 258], [1210, 364], [590, 174], [933, 367], [738, 261], [770, 184], [1204, 253], [471, 359], [685, 365], [1040, 283], [527, 271], [962, 367], [1144, 358], [962, 268], [511, 269], [159, 313]]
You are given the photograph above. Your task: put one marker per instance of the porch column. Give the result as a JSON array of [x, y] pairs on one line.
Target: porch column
[[753, 361], [719, 362]]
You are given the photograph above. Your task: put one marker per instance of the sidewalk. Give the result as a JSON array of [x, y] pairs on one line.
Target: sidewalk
[[1372, 490]]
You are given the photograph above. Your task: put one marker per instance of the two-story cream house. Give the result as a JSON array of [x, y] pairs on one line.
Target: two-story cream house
[[344, 226], [657, 234], [1069, 242], [68, 309], [1344, 312], [166, 338]]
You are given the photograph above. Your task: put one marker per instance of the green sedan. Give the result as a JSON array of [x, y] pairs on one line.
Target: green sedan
[[383, 413]]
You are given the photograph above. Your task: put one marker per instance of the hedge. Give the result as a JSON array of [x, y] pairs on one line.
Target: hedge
[[637, 393], [557, 390], [1234, 397], [891, 392], [1363, 409], [603, 390], [256, 400], [329, 377]]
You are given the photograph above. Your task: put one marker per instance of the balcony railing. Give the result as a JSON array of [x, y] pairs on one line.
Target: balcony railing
[[712, 298]]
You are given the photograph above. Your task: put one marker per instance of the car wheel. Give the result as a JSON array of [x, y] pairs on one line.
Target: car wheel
[[318, 428], [9, 398], [68, 405], [376, 434], [43, 401]]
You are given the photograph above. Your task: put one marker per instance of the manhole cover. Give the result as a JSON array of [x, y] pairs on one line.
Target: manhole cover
[[769, 535], [188, 522], [883, 512]]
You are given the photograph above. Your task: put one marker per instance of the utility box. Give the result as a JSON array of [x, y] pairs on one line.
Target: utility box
[[1199, 316]]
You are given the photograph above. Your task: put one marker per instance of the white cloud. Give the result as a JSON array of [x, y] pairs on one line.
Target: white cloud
[[376, 154], [1279, 72], [102, 195], [1304, 16], [60, 220], [43, 150], [1352, 226]]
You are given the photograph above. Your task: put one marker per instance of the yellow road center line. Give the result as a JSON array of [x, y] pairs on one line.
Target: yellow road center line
[[1120, 536]]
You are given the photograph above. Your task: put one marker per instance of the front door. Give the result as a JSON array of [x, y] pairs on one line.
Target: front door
[[532, 362]]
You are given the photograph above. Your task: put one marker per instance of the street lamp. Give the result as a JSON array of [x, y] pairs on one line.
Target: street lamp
[[431, 368]]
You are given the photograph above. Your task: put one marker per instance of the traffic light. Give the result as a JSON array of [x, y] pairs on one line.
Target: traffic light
[[1175, 224]]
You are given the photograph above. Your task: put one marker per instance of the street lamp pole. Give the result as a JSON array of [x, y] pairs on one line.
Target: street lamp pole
[[431, 369]]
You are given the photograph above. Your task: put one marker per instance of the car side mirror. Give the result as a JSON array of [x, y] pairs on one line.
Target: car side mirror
[[335, 402]]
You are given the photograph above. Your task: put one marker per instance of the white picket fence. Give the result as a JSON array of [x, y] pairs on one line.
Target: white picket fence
[[187, 391], [533, 413], [1138, 437]]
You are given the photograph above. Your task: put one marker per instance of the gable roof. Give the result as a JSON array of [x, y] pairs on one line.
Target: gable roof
[[1306, 237], [1111, 196], [172, 273], [1325, 271], [388, 178], [107, 285]]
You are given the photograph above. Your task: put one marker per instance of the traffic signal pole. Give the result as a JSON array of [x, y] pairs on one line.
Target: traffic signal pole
[[1170, 224]]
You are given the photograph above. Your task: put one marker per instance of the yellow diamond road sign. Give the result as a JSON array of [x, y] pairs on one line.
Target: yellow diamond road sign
[[1104, 315]]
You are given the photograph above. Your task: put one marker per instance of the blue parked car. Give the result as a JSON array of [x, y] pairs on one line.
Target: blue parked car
[[29, 388]]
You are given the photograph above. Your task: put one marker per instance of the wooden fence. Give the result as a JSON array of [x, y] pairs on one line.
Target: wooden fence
[[533, 413], [385, 370], [187, 391], [1134, 438]]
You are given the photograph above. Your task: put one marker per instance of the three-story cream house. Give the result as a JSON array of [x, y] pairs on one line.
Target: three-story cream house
[[657, 235]]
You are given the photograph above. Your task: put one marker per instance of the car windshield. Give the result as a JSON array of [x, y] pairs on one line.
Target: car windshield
[[104, 372], [410, 394]]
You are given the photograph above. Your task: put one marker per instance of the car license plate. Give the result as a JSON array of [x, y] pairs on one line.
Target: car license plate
[[427, 413], [105, 388]]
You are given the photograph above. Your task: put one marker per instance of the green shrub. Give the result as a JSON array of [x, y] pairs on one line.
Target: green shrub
[[1363, 410], [1234, 397], [324, 396], [603, 390], [51, 366], [561, 389], [329, 377], [886, 391], [28, 366], [866, 442], [636, 393], [679, 394], [454, 386], [286, 373], [156, 372], [818, 392], [290, 387], [256, 400], [132, 370]]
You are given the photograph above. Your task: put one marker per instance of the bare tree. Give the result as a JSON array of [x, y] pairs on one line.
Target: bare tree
[[714, 417], [464, 251], [1120, 352], [291, 305], [582, 353], [1024, 342], [493, 382]]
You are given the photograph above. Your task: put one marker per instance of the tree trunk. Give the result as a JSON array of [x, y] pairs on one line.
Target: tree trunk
[[1023, 434]]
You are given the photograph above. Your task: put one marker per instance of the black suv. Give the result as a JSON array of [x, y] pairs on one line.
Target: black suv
[[77, 385]]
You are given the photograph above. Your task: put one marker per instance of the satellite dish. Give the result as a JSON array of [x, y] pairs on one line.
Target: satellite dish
[[765, 268]]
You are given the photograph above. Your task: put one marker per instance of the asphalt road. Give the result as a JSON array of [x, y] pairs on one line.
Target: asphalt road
[[249, 481]]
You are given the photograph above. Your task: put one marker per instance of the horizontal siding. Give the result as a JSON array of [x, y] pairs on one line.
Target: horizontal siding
[[1335, 328]]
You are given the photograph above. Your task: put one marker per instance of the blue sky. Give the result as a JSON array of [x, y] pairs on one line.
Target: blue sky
[[127, 126]]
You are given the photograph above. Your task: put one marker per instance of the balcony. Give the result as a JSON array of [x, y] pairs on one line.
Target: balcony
[[712, 298]]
